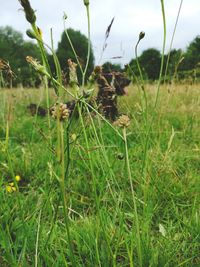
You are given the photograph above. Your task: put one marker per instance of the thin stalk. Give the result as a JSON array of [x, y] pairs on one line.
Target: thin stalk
[[73, 50], [94, 180], [37, 240], [163, 53], [138, 241], [102, 117], [89, 46], [157, 92], [63, 192], [142, 82], [171, 43]]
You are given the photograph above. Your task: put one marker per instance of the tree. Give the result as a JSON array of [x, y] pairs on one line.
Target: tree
[[80, 43], [14, 50], [174, 62], [108, 67], [150, 61], [192, 55]]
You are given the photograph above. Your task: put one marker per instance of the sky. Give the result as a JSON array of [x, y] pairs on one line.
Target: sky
[[131, 17]]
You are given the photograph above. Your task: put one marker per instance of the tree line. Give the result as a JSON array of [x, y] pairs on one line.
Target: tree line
[[14, 50], [178, 65]]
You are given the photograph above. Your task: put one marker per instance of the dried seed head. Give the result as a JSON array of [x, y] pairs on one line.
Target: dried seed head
[[123, 121], [141, 35], [29, 12], [37, 66], [60, 111], [72, 72], [98, 69], [5, 67]]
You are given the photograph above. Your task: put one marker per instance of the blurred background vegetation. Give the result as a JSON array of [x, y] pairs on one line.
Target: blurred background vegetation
[[182, 65]]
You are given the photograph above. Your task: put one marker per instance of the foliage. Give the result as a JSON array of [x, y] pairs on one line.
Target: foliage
[[103, 230], [65, 52], [108, 67], [14, 50], [192, 55], [149, 61]]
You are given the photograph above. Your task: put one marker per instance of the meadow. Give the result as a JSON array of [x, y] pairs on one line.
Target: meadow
[[94, 194]]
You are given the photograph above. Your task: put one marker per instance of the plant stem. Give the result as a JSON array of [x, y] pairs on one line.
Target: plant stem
[[138, 241]]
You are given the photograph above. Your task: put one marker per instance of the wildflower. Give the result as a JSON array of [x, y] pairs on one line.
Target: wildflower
[[123, 121], [29, 12], [10, 188], [17, 178], [60, 111]]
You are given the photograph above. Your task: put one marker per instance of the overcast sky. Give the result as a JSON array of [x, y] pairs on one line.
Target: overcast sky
[[131, 17]]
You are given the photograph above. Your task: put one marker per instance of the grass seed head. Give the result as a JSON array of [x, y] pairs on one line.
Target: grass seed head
[[37, 66], [123, 121], [60, 111], [29, 12]]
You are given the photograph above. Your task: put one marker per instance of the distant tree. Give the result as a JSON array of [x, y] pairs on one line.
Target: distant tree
[[25, 73], [80, 43], [132, 69], [108, 67], [11, 42], [192, 55], [174, 63], [150, 61], [14, 50]]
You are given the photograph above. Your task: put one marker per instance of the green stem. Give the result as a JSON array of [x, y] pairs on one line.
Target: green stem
[[89, 46], [73, 50], [138, 241], [142, 83], [63, 191], [163, 53], [170, 48]]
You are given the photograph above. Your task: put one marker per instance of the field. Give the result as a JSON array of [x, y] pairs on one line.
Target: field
[[94, 194]]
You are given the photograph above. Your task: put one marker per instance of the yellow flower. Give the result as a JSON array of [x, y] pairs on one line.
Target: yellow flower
[[17, 178], [10, 188]]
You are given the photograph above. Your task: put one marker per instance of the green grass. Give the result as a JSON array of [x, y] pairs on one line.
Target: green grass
[[106, 224]]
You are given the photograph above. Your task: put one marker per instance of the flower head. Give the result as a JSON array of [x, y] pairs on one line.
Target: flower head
[[17, 178], [60, 111], [123, 121], [10, 188], [36, 65]]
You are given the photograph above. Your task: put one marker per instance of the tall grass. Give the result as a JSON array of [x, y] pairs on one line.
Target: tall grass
[[92, 193]]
